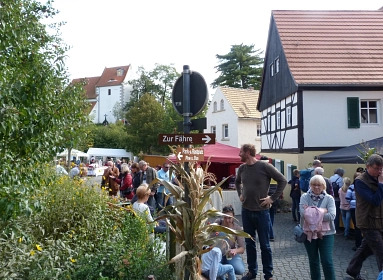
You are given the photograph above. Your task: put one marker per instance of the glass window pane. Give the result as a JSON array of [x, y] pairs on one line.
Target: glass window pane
[[363, 104], [373, 116]]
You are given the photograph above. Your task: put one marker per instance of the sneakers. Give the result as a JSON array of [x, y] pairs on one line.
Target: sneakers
[[249, 276]]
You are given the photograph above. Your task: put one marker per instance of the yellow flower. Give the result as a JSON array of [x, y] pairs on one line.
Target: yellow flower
[[72, 260], [70, 235], [38, 247], [32, 253], [20, 239]]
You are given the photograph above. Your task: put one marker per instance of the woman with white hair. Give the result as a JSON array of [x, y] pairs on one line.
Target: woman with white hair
[[318, 212]]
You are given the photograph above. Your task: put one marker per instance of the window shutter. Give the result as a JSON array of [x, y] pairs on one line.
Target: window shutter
[[273, 162], [283, 167], [353, 112]]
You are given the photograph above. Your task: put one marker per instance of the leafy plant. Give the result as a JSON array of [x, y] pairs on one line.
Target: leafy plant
[[189, 218]]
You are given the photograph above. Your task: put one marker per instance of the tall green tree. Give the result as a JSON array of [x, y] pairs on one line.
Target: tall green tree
[[37, 107], [157, 82], [111, 136], [146, 119], [241, 68]]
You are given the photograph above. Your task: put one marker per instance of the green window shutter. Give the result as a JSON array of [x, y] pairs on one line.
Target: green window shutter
[[353, 112], [283, 167], [273, 162]]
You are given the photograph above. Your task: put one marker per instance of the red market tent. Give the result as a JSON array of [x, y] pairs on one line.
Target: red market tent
[[224, 159]]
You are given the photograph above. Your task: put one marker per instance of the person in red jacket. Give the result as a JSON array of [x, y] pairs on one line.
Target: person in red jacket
[[125, 180]]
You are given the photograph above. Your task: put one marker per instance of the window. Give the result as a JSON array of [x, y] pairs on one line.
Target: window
[[225, 131], [109, 92], [277, 65], [215, 106], [120, 72], [278, 119], [271, 69], [269, 123], [361, 111], [258, 130], [288, 116], [213, 129], [368, 111], [222, 105]]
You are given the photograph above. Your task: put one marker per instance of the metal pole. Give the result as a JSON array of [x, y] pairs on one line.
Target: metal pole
[[186, 114]]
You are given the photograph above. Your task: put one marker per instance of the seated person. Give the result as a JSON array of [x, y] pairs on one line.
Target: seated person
[[237, 247], [212, 266], [142, 209]]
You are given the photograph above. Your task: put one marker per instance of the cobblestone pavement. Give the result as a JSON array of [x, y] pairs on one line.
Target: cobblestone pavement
[[290, 259]]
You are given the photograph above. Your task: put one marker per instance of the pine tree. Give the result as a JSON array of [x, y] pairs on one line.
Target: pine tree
[[241, 68]]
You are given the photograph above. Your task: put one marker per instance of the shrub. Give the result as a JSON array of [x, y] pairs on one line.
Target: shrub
[[74, 234]]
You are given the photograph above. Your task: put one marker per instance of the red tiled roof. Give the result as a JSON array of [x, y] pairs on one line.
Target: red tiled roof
[[333, 47], [109, 76], [90, 88]]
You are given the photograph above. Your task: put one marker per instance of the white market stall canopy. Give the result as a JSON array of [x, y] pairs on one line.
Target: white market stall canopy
[[73, 153], [103, 152]]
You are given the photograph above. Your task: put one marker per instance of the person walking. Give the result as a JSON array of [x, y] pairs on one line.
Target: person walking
[[369, 215], [295, 195], [252, 184], [351, 198], [345, 206], [337, 182], [319, 227]]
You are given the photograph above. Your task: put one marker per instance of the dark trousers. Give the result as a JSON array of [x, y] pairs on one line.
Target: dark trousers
[[258, 222], [358, 234], [336, 221], [295, 209], [320, 252], [272, 211], [372, 243]]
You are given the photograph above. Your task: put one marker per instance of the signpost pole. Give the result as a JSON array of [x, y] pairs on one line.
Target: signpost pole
[[186, 114]]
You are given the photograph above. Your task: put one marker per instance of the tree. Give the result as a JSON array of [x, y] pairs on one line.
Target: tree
[[157, 82], [37, 107], [146, 119], [241, 68], [110, 136]]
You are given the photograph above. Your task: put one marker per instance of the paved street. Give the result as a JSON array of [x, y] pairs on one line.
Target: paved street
[[290, 259]]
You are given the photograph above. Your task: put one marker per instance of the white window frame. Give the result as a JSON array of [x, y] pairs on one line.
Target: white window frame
[[366, 111], [259, 130], [222, 105], [277, 65], [215, 106], [278, 116], [288, 116], [225, 131], [213, 129], [271, 69]]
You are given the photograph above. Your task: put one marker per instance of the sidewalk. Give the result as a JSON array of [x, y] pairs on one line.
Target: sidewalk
[[290, 259]]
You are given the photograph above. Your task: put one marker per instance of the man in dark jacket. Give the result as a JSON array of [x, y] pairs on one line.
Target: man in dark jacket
[[148, 174], [369, 215], [295, 195]]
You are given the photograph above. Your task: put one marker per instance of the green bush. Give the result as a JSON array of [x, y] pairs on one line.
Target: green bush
[[73, 234]]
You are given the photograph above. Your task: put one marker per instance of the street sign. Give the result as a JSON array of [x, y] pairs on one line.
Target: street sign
[[186, 139], [189, 154], [198, 94]]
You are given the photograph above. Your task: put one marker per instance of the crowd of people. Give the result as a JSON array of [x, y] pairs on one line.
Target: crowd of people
[[317, 211]]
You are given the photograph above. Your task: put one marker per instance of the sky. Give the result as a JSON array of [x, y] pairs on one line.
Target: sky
[[145, 32]]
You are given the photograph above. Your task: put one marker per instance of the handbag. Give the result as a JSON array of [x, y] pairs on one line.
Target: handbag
[[299, 234]]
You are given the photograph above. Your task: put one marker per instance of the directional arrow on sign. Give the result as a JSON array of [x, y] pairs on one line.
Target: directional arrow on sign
[[206, 139], [179, 156]]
